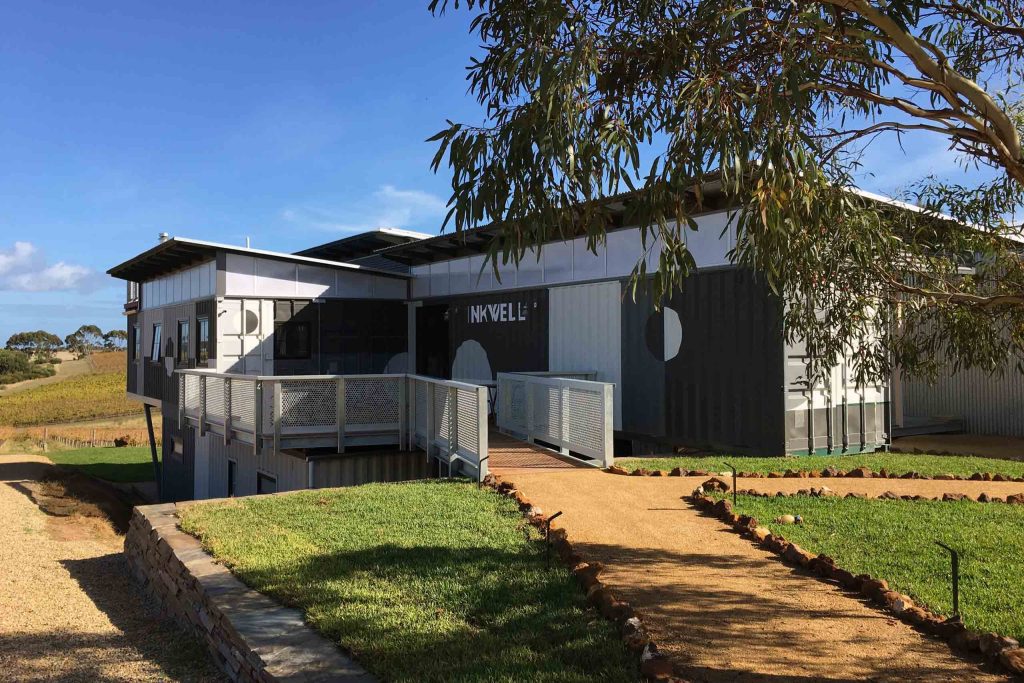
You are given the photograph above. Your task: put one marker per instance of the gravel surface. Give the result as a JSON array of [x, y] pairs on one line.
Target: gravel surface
[[68, 609], [716, 603]]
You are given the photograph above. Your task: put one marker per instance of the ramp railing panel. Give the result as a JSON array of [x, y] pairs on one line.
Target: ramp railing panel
[[574, 415]]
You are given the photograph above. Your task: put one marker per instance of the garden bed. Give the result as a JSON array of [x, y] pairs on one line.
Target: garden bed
[[894, 463], [419, 581]]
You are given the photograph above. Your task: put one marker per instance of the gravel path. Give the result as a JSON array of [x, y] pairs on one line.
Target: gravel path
[[68, 610], [724, 608]]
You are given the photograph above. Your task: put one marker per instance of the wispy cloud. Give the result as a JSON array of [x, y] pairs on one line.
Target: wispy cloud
[[387, 207], [23, 268]]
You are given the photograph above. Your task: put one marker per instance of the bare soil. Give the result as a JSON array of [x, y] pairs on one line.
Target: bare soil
[[719, 605], [68, 608]]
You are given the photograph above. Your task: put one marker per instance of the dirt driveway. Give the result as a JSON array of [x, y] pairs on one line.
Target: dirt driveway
[[68, 610], [724, 608]]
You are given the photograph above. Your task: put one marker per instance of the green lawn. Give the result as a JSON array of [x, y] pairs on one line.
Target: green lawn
[[893, 462], [127, 464], [422, 581], [895, 540]]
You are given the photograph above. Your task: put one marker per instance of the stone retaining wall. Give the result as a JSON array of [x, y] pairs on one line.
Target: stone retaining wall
[[250, 636]]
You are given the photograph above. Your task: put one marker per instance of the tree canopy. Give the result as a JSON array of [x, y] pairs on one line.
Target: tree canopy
[[773, 102], [39, 344]]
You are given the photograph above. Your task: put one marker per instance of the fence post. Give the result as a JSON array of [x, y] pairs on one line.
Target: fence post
[[403, 411], [202, 405], [481, 439], [609, 425], [277, 416], [257, 416], [563, 421], [93, 444], [339, 404], [227, 411]]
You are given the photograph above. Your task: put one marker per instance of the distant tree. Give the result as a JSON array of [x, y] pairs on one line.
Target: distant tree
[[84, 340], [39, 344], [14, 362], [115, 339]]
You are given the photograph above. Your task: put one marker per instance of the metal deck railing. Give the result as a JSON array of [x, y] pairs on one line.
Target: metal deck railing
[[448, 420]]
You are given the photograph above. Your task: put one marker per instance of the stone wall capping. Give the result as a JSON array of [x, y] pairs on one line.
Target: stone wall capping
[[249, 636], [1001, 650]]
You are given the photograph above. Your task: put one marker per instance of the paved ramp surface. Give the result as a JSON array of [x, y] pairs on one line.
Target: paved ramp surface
[[68, 610], [724, 608]]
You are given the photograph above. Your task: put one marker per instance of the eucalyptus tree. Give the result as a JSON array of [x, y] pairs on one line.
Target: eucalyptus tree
[[773, 102]]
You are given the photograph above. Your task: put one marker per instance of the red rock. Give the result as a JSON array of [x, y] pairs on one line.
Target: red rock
[[976, 477], [1013, 659], [775, 475], [874, 588], [588, 574], [722, 508], [966, 640], [1015, 499], [790, 474], [676, 472], [996, 499], [984, 498], [715, 484], [852, 494], [944, 477], [640, 472], [860, 473], [889, 495], [760, 534], [657, 669], [950, 497], [797, 555], [1000, 477], [697, 473], [615, 469], [993, 644], [913, 615], [657, 473]]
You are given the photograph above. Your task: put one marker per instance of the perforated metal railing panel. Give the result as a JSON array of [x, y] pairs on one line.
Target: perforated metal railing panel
[[191, 399], [243, 406], [215, 399], [467, 430], [372, 400], [585, 415], [311, 403]]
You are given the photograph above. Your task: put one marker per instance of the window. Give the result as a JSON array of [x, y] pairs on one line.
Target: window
[[291, 340], [203, 341], [183, 341], [231, 478], [265, 483], [154, 354], [136, 343]]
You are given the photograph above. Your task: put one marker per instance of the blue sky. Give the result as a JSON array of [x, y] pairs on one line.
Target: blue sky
[[290, 123]]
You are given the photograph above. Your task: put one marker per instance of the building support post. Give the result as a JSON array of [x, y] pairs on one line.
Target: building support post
[[152, 450]]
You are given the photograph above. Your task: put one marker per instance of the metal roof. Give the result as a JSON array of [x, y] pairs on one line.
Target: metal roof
[[179, 252], [363, 244]]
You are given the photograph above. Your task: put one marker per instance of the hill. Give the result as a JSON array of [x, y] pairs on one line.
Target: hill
[[97, 392]]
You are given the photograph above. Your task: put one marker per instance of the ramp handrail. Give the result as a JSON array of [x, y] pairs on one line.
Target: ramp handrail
[[577, 416]]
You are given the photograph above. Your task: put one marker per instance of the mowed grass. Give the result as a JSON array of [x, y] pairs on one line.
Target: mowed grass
[[422, 581], [895, 540], [893, 462], [82, 397], [129, 464]]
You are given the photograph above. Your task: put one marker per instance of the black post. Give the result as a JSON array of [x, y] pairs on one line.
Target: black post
[[733, 483], [955, 559], [547, 538], [152, 450]]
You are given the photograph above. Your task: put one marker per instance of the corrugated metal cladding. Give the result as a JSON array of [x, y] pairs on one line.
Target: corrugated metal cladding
[[988, 404], [584, 333], [291, 473], [177, 467], [723, 382], [494, 333]]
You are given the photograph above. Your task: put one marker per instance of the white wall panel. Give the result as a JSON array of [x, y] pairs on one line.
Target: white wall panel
[[459, 278], [275, 278], [239, 279], [585, 333], [624, 251], [586, 264], [313, 282], [439, 285], [531, 270], [711, 242], [557, 262], [481, 277], [421, 281]]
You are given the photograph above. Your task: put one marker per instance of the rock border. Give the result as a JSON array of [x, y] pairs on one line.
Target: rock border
[[826, 492], [654, 664], [856, 473], [249, 636], [996, 648]]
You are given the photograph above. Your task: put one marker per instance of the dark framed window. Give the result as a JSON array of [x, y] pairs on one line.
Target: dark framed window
[[136, 343], [231, 478], [203, 340], [154, 351], [292, 340], [265, 483], [184, 337]]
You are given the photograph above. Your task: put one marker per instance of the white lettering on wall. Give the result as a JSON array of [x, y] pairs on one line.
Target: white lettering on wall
[[497, 313]]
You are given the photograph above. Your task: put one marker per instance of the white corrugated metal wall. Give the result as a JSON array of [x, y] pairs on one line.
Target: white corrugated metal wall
[[988, 404], [585, 333]]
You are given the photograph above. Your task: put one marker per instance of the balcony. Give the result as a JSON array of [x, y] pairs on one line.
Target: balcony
[[444, 418]]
